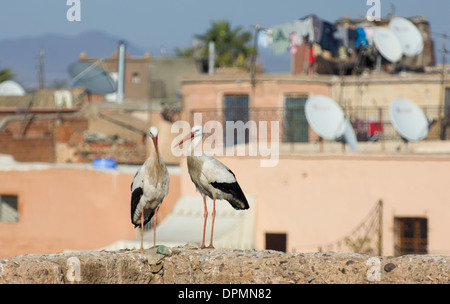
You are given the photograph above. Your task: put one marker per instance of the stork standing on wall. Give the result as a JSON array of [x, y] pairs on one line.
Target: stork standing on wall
[[212, 179], [149, 187]]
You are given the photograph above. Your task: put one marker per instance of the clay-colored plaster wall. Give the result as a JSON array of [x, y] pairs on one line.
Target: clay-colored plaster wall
[[318, 199], [270, 91], [70, 208]]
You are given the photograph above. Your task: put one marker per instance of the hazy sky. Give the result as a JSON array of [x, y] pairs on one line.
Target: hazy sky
[[171, 23], [154, 25]]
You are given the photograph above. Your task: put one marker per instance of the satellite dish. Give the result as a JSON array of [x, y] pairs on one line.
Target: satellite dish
[[408, 34], [409, 120], [92, 78], [350, 136], [387, 44], [11, 88], [325, 117]]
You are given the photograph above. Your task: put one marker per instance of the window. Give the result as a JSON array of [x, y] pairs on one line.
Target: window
[[9, 208], [236, 110], [411, 236], [135, 78], [276, 241], [295, 123]]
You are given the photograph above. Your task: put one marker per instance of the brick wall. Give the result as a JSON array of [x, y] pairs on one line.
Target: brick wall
[[28, 149], [42, 135]]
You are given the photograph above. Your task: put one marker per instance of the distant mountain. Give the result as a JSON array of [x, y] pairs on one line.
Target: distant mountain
[[21, 55]]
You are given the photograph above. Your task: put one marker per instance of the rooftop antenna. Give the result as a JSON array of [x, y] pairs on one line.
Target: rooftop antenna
[[408, 34], [392, 9], [41, 65], [387, 44], [328, 120], [409, 120], [94, 79]]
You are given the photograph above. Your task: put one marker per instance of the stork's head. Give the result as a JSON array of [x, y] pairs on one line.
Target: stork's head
[[196, 132], [153, 135], [153, 132]]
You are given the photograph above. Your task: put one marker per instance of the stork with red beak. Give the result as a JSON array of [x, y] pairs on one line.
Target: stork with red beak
[[212, 179], [149, 187]]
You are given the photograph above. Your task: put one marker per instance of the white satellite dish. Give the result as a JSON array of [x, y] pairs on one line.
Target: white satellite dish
[[408, 34], [409, 120], [325, 117], [350, 136], [11, 88], [388, 44]]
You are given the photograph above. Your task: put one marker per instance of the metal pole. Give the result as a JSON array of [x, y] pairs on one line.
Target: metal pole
[[121, 72], [252, 65], [380, 227], [212, 57]]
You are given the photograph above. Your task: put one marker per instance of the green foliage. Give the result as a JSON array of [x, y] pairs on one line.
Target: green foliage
[[233, 45], [6, 74]]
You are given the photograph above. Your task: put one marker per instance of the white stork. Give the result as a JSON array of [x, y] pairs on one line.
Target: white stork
[[212, 179], [149, 187]]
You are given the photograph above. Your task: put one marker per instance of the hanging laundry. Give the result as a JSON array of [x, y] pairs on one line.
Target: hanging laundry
[[318, 28], [341, 34], [263, 39], [370, 33], [352, 36], [328, 42], [294, 43], [312, 58], [305, 28], [361, 39], [281, 34], [281, 38]]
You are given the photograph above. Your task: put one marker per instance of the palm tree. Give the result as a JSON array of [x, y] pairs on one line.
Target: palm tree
[[233, 46], [6, 74]]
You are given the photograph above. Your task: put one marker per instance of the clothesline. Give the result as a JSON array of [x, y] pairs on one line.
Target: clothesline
[[312, 29]]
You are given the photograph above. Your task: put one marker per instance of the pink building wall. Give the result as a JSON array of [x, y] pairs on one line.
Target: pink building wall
[[200, 92], [69, 208], [317, 199]]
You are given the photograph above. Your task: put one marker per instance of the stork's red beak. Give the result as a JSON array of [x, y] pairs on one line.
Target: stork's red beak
[[155, 141], [189, 136]]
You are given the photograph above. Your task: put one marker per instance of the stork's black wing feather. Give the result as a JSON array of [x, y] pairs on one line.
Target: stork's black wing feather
[[238, 201], [135, 197]]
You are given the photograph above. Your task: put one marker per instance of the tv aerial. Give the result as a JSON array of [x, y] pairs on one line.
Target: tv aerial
[[328, 120], [409, 120]]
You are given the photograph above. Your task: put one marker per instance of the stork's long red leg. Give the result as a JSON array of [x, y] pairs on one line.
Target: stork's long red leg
[[205, 215], [154, 226], [142, 230], [212, 224]]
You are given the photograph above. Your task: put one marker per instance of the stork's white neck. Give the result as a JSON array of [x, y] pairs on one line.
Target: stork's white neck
[[195, 141]]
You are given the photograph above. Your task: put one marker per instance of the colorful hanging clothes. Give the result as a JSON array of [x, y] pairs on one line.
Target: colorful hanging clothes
[[328, 42], [312, 58], [361, 39], [263, 39], [282, 34]]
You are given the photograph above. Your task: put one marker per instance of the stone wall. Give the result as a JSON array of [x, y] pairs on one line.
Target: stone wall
[[187, 265]]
